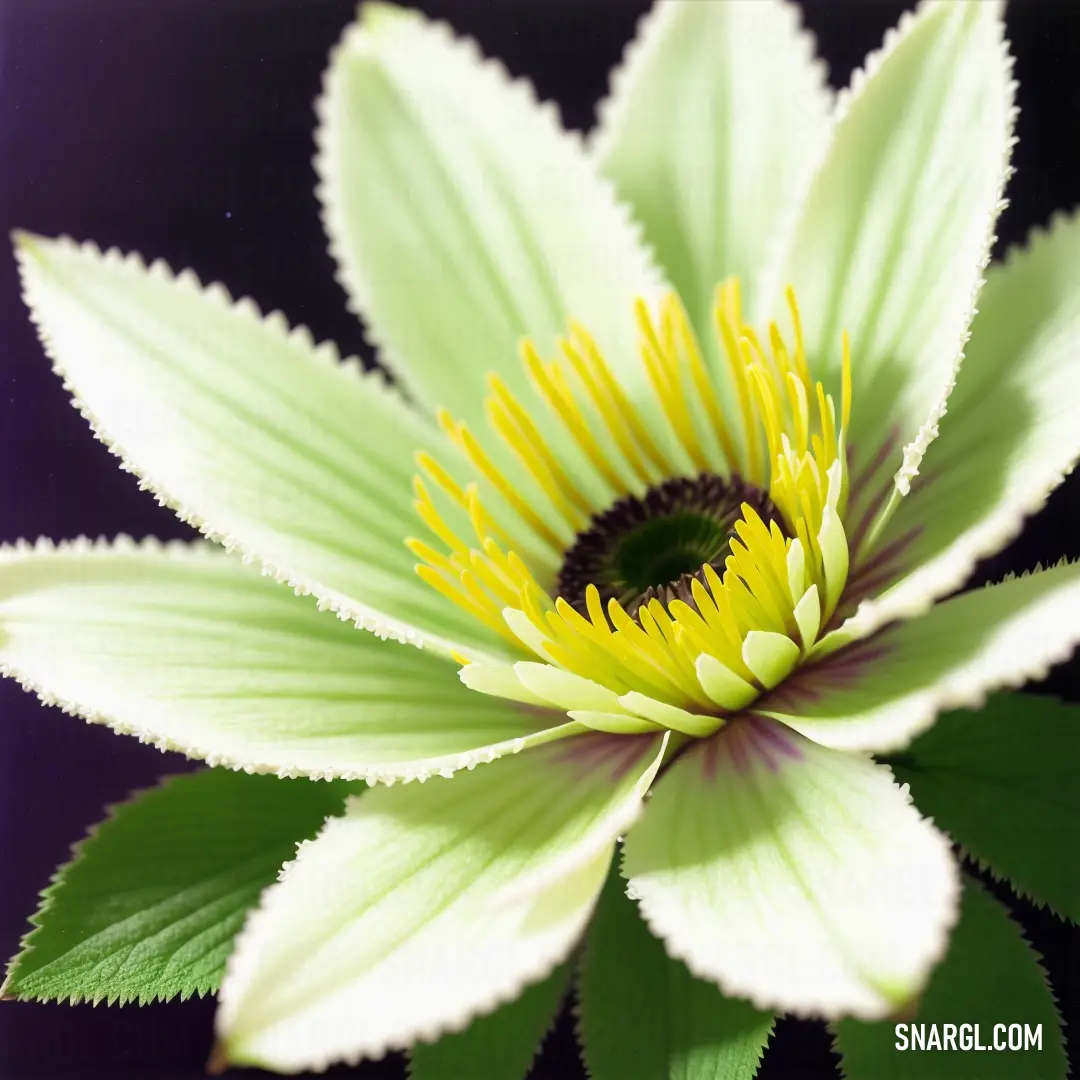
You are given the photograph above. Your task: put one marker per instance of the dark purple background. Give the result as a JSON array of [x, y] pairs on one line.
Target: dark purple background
[[183, 128]]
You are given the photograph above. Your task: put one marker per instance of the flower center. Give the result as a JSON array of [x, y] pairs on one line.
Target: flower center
[[652, 547], [661, 541]]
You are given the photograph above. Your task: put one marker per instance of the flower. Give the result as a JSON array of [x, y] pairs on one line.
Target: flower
[[684, 525]]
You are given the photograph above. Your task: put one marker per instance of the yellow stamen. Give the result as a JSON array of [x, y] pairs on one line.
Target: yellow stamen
[[784, 435], [796, 325], [621, 402], [766, 395], [466, 442], [669, 630], [705, 394], [561, 400], [493, 580], [737, 367], [664, 368], [433, 519], [536, 442], [428, 554], [801, 411], [518, 441], [616, 422], [452, 590], [440, 477], [484, 527]]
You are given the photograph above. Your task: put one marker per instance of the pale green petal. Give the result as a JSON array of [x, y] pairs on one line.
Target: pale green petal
[[585, 701], [670, 716], [565, 690], [462, 216], [1010, 435], [769, 656], [880, 693], [728, 690], [799, 877], [613, 723], [807, 615], [189, 649], [248, 431], [716, 119], [499, 680], [895, 233], [435, 905]]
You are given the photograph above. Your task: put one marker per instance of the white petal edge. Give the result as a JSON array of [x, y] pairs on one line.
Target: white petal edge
[[90, 352], [436, 905], [783, 272], [1033, 375], [188, 649], [776, 90], [571, 219], [799, 877], [883, 691]]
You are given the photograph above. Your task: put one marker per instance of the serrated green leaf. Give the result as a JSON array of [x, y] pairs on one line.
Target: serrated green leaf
[[989, 976], [645, 1017], [496, 1047], [149, 906], [1002, 783]]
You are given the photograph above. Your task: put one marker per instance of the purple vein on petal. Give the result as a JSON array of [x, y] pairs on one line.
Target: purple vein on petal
[[861, 480], [842, 669], [771, 737], [885, 565], [598, 750], [747, 740]]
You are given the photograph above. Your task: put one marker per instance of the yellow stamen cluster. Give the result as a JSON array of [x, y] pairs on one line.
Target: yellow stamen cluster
[[780, 432]]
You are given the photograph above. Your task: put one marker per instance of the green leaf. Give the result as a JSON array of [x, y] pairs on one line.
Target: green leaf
[[1002, 783], [645, 1017], [501, 1046], [990, 976], [149, 906], [882, 692]]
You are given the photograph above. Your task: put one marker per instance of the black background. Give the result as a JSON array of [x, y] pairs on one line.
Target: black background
[[183, 128]]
